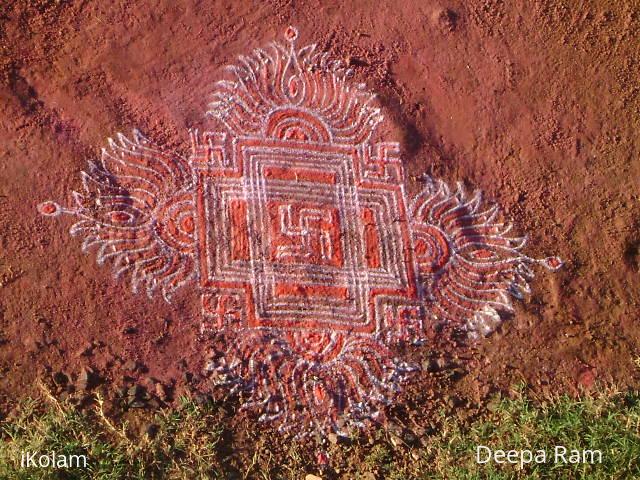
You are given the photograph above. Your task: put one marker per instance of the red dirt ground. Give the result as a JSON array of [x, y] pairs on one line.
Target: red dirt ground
[[536, 103]]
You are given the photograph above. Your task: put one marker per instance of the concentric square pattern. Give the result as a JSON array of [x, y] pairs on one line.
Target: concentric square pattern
[[301, 236]]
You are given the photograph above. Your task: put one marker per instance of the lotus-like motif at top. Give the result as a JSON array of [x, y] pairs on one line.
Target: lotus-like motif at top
[[291, 220]]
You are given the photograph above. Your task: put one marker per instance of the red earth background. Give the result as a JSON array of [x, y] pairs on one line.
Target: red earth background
[[537, 103]]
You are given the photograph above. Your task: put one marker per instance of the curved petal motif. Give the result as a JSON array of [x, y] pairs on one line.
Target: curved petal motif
[[271, 85], [137, 210], [469, 266], [312, 265], [344, 389]]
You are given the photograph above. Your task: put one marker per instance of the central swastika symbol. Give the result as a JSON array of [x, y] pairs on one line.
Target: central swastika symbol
[[305, 234], [290, 218]]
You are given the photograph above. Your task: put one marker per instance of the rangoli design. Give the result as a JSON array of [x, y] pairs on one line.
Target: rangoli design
[[291, 220]]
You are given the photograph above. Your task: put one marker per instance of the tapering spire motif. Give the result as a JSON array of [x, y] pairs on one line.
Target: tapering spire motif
[[291, 219]]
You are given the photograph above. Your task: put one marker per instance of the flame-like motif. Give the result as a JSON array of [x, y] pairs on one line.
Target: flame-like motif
[[302, 392], [136, 208], [469, 265], [269, 84], [295, 224]]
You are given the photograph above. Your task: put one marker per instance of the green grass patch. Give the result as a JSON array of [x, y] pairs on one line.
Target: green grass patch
[[606, 422], [192, 442]]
